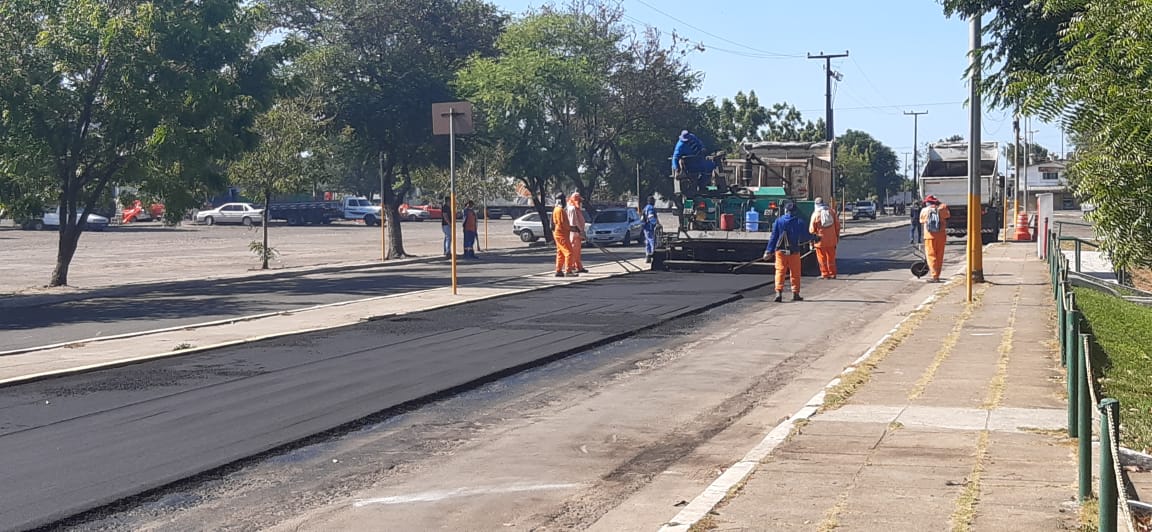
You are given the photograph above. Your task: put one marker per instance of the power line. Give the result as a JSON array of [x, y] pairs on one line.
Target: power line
[[713, 35]]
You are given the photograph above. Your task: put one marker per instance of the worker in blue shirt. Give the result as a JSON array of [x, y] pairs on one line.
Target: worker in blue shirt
[[789, 234], [696, 162], [650, 220]]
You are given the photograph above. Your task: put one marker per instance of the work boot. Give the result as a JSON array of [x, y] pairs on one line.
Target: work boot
[[582, 270], [572, 274], [779, 297], [796, 296], [559, 274], [648, 259]]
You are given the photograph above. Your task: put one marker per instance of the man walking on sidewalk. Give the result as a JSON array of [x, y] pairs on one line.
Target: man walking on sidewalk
[[934, 216], [561, 235], [446, 225], [575, 212], [826, 226], [470, 230], [788, 235], [916, 229]]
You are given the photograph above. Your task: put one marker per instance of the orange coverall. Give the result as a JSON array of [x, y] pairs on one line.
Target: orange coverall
[[561, 230], [826, 247], [576, 220], [934, 241]]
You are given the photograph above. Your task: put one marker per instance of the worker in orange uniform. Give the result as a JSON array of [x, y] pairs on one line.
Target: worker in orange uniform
[[825, 225], [575, 212], [934, 216], [789, 234], [562, 236]]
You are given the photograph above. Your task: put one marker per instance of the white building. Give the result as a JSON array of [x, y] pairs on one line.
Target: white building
[[1050, 178]]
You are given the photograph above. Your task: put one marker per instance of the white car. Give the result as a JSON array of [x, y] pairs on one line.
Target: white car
[[231, 213], [412, 214], [51, 220], [529, 228]]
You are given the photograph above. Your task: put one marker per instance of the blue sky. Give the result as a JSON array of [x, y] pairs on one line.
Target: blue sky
[[904, 56]]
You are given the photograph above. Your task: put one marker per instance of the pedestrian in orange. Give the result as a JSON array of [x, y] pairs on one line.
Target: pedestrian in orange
[[786, 244], [562, 236], [826, 226], [934, 216], [575, 212]]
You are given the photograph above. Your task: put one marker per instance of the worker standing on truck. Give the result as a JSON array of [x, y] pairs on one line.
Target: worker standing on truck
[[934, 216], [446, 225], [470, 230], [695, 162], [561, 235], [826, 226], [575, 213], [788, 235], [916, 229], [650, 221]]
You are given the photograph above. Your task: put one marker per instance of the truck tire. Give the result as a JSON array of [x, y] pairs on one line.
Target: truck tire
[[369, 220], [38, 225]]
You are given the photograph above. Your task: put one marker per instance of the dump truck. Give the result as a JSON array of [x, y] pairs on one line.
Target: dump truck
[[946, 177], [713, 229]]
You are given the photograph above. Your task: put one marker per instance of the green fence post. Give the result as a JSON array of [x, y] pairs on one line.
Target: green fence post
[[1084, 403], [1109, 420], [1074, 364], [1062, 321]]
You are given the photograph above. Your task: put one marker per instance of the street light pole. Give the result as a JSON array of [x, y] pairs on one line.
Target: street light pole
[[829, 128], [916, 149]]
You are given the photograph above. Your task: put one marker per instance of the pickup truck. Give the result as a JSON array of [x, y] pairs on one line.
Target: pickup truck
[[323, 212], [51, 220], [864, 209]]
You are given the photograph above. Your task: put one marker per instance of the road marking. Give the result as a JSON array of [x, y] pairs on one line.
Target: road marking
[[440, 495]]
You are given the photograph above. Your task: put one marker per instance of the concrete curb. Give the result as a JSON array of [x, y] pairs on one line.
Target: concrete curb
[[17, 301], [199, 349], [700, 507]]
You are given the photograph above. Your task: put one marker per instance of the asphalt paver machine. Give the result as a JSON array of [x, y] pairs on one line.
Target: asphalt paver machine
[[723, 221]]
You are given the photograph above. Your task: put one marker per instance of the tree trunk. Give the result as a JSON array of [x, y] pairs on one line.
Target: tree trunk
[[264, 227], [390, 212], [65, 250]]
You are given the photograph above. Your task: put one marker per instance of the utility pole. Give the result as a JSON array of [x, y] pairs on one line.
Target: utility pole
[[916, 149], [1016, 167], [829, 129], [975, 152]]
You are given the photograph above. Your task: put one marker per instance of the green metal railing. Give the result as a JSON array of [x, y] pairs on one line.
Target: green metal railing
[[1076, 357]]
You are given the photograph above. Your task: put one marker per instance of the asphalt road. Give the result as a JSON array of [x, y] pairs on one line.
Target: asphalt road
[[199, 301], [192, 302], [74, 443]]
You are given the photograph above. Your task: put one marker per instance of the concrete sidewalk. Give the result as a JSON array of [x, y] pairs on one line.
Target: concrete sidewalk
[[953, 422]]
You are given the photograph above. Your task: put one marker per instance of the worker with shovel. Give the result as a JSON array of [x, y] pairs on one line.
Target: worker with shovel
[[789, 234]]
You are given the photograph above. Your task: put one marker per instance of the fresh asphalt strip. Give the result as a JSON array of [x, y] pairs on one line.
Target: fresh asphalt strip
[[76, 443]]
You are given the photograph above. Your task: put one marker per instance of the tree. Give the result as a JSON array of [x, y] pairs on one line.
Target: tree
[[279, 163], [95, 94], [882, 175], [380, 66], [787, 124]]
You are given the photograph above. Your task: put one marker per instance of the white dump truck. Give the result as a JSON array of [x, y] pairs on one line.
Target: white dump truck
[[946, 177]]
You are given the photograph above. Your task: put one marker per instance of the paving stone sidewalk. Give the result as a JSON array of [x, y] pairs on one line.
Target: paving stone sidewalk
[[958, 426]]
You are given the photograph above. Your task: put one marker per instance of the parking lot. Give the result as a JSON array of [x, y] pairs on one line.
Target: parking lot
[[147, 252]]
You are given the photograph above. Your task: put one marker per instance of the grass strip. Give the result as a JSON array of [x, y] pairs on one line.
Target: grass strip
[[1123, 364]]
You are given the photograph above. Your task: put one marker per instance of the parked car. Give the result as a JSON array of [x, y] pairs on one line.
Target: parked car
[[51, 220], [232, 213], [616, 225], [413, 214], [531, 229], [864, 209]]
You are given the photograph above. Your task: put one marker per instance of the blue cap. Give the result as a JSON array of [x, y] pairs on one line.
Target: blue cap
[[790, 207], [684, 135]]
